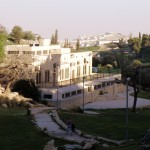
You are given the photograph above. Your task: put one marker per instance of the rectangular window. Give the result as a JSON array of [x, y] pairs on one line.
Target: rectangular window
[[84, 69], [67, 94], [73, 93], [27, 52], [66, 73], [62, 74], [38, 78], [78, 91], [46, 96], [45, 52], [78, 70], [47, 76], [33, 52], [63, 96], [38, 52], [89, 70], [13, 52]]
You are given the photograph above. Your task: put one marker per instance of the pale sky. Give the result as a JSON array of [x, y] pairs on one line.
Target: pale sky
[[73, 18]]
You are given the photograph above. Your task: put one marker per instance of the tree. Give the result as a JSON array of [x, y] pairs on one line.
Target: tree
[[28, 35], [52, 39], [66, 44], [3, 39], [145, 41], [17, 34], [140, 35], [56, 37], [108, 60], [27, 88], [135, 45], [78, 45], [14, 68], [121, 43], [133, 71]]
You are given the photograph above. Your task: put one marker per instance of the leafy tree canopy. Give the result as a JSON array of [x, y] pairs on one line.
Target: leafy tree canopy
[[27, 88], [28, 35], [17, 34], [3, 39]]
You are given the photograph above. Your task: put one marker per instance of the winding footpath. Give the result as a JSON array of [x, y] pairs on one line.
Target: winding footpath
[[44, 121]]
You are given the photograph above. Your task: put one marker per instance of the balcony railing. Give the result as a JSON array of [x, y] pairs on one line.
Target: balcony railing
[[74, 81]]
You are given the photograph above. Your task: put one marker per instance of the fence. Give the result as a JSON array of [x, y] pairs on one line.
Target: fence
[[74, 81]]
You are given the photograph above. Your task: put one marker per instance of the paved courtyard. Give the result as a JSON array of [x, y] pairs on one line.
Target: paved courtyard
[[119, 103]]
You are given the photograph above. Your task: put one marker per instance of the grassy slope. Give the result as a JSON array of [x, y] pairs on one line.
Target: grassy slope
[[111, 124], [17, 132]]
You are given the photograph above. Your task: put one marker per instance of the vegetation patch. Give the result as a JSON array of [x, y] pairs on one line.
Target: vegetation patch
[[143, 94], [111, 124], [18, 132]]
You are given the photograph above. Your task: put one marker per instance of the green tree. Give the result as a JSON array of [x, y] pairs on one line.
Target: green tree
[[56, 37], [17, 34], [78, 45], [3, 39], [27, 88], [28, 35], [145, 41], [15, 68], [135, 45], [133, 71], [140, 37], [121, 43], [66, 44], [52, 39]]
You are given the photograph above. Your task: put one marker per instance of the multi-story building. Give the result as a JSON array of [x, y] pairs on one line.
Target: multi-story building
[[57, 67], [63, 68]]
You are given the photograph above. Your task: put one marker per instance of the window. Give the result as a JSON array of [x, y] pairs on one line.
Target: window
[[73, 93], [47, 76], [89, 70], [67, 94], [38, 78], [54, 65], [38, 52], [78, 70], [78, 91], [13, 52], [63, 96], [45, 52], [46, 96], [84, 69], [66, 73], [27, 52], [62, 74]]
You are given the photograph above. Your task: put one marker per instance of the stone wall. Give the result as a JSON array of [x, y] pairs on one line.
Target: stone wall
[[89, 97]]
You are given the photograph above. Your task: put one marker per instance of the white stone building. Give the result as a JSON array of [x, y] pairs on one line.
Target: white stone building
[[63, 68], [57, 68]]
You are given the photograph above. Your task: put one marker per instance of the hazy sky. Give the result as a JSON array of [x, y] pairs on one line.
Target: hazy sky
[[76, 17]]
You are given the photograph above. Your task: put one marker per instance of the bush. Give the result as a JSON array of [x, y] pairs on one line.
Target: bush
[[101, 92], [28, 89]]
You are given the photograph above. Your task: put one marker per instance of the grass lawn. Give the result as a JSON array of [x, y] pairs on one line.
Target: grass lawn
[[143, 94], [111, 124], [17, 132]]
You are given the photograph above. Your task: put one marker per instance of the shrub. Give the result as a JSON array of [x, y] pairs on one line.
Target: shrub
[[27, 88], [101, 92]]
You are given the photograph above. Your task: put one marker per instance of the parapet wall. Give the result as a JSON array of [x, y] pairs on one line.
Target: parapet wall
[[92, 96]]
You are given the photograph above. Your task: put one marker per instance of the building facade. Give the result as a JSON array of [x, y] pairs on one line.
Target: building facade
[[62, 66]]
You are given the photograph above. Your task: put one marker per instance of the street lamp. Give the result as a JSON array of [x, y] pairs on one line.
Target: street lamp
[[128, 79], [57, 97], [83, 95]]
